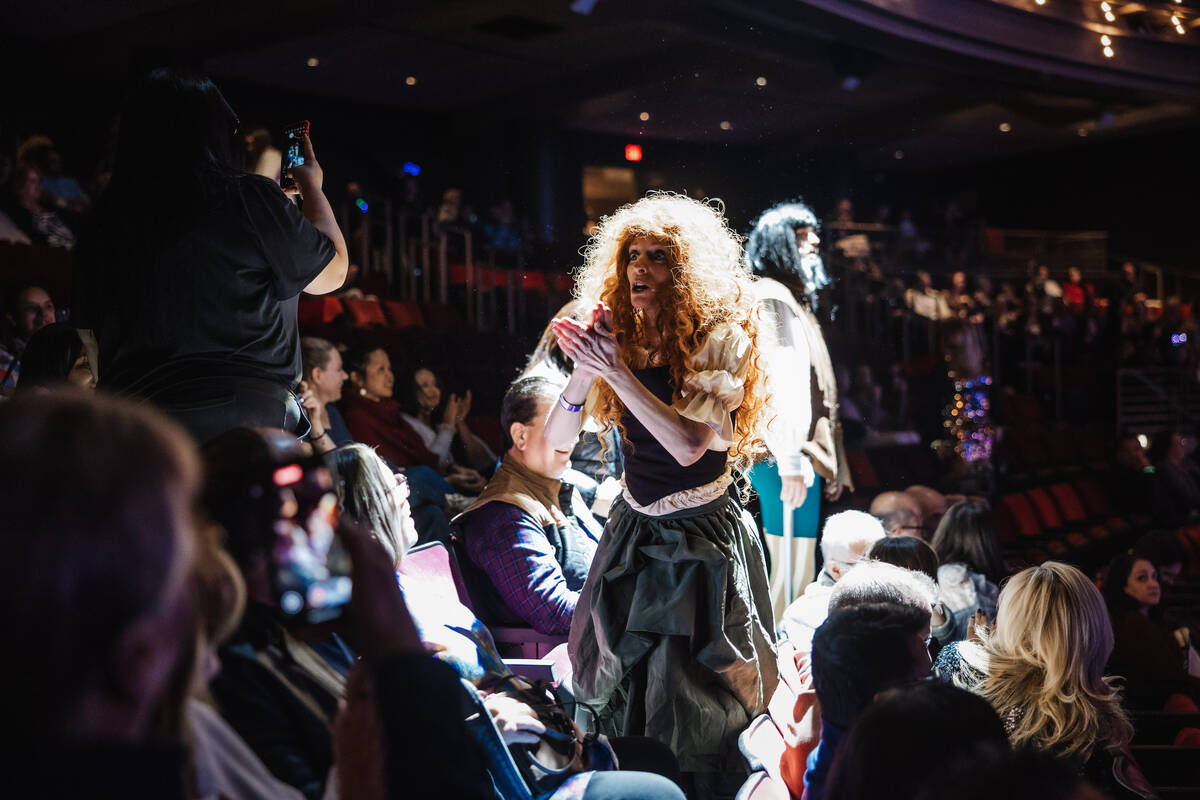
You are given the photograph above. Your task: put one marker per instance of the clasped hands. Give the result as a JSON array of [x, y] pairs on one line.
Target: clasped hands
[[593, 348]]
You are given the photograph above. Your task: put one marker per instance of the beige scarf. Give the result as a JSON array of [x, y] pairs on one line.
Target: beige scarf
[[516, 484]]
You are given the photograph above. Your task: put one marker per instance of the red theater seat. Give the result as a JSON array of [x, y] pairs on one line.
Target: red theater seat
[[1045, 509], [318, 310], [1017, 505], [404, 314], [533, 281], [365, 313]]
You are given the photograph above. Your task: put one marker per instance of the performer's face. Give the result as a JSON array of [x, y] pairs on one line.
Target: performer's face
[[807, 241], [648, 272]]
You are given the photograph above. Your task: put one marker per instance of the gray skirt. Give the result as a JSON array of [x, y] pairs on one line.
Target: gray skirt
[[672, 636]]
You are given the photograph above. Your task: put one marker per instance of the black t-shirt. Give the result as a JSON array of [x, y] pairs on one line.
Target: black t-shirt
[[651, 473], [220, 296]]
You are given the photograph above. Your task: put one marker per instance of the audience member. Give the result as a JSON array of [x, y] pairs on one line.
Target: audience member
[[320, 389], [1164, 550], [276, 687], [55, 356], [373, 495], [1171, 453], [857, 653], [40, 224], [991, 771], [970, 563], [1042, 669], [59, 190], [1137, 487], [529, 537], [909, 737], [451, 631], [900, 514], [933, 506], [374, 418], [221, 764], [193, 302], [27, 309], [97, 546], [420, 402], [845, 539], [1151, 657], [907, 552], [1076, 294]]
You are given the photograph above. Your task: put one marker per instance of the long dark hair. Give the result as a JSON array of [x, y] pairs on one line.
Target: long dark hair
[[49, 356], [1113, 588], [956, 719], [406, 393], [177, 134], [176, 162], [967, 535], [908, 552], [771, 249]]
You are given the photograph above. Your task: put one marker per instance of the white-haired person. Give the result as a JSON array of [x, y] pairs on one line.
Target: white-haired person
[[673, 631], [844, 542], [805, 434]]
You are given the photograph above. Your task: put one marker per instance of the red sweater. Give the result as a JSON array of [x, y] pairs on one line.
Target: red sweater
[[378, 423]]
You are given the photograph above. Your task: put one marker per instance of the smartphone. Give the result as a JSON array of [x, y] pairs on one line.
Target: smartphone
[[311, 567], [293, 152]]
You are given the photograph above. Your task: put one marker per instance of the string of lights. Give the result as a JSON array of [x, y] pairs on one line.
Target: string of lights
[[1114, 19]]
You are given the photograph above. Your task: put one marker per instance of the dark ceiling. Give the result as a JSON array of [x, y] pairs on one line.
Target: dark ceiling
[[906, 95]]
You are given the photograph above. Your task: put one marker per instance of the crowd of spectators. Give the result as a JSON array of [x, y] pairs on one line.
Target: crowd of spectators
[[188, 630]]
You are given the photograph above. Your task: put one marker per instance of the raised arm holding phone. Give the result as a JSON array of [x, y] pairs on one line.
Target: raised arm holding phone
[[190, 272]]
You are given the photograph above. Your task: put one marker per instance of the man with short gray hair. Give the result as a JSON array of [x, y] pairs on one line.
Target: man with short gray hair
[[846, 538]]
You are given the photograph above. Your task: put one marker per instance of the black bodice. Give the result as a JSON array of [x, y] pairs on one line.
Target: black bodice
[[651, 473]]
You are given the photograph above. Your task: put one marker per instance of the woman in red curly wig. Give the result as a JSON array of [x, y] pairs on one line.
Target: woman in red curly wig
[[673, 633]]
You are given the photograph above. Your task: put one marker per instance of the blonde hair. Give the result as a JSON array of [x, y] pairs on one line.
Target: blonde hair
[[1044, 663], [710, 286]]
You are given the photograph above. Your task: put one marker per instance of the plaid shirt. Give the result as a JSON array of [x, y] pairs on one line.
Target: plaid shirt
[[520, 561]]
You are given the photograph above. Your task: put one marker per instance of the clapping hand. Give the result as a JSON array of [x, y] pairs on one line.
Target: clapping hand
[[452, 413], [593, 348]]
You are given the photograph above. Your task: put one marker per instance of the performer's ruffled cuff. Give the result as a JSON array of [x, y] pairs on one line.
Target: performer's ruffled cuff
[[709, 398], [715, 384]]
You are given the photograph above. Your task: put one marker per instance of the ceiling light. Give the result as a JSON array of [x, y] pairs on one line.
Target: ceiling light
[[1005, 127], [313, 62], [411, 80], [1108, 52], [1108, 15], [760, 81], [1040, 2], [644, 116], [1104, 40], [726, 125], [1105, 7]]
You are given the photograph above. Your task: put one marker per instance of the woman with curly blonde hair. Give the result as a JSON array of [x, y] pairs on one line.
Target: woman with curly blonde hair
[[1042, 669], [673, 633]]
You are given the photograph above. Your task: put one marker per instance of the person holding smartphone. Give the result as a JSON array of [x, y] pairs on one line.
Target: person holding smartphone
[[190, 272]]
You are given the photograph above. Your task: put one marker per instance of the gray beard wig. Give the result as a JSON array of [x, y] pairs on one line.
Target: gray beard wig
[[771, 249]]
